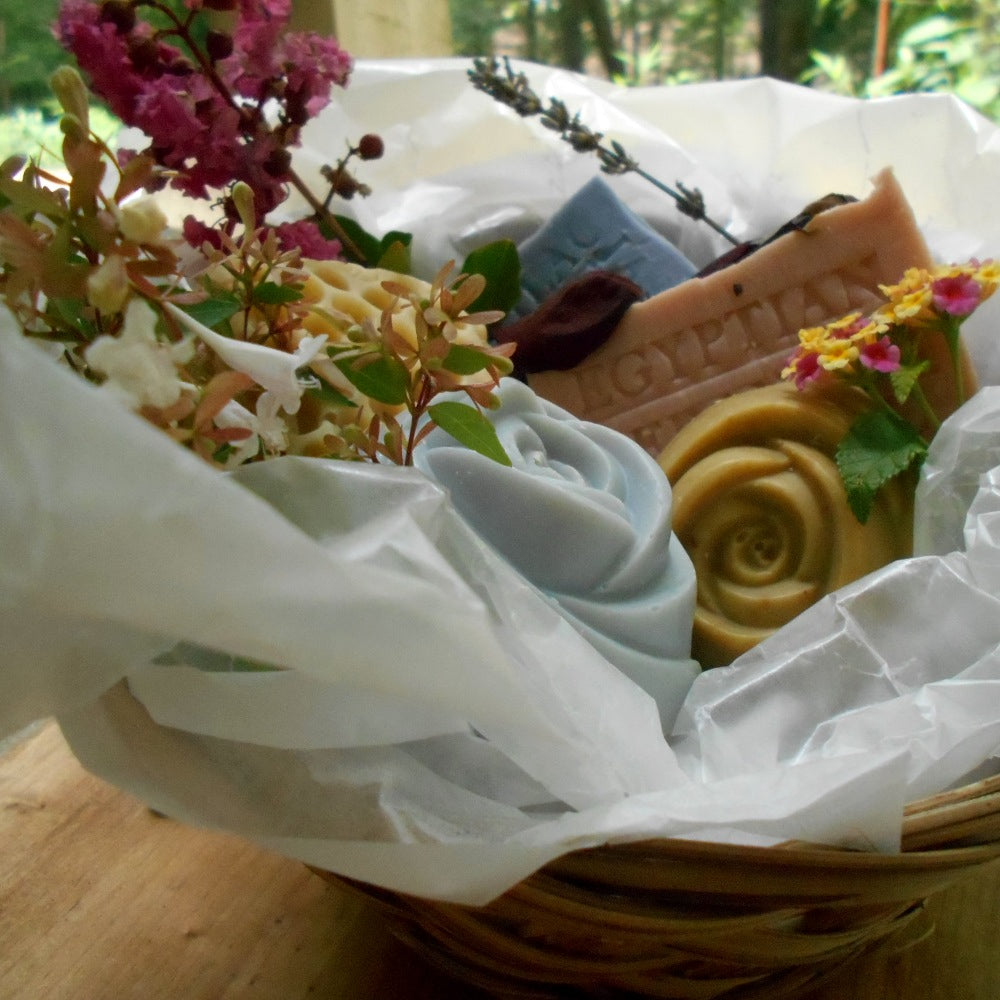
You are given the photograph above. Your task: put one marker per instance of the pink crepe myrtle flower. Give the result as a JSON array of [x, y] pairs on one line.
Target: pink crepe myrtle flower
[[305, 236], [210, 127], [198, 233], [312, 65], [120, 64]]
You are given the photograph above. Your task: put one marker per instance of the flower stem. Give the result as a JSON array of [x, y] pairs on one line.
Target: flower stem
[[514, 90], [326, 216], [928, 411], [423, 398], [684, 198], [951, 328]]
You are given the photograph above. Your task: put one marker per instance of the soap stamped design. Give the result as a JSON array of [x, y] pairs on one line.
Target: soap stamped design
[[595, 230], [677, 352], [696, 363]]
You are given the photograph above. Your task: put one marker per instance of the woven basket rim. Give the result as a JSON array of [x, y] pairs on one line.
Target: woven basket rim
[[674, 917], [794, 854]]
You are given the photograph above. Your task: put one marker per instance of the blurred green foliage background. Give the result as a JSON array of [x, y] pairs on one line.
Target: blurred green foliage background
[[857, 47]]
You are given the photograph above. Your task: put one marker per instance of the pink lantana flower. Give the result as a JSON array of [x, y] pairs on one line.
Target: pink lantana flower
[[803, 367], [881, 355], [844, 329], [956, 295]]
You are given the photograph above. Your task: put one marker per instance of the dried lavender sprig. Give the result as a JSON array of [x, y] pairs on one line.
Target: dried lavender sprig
[[514, 90]]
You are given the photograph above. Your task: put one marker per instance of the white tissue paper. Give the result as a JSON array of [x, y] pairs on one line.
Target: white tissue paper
[[437, 727]]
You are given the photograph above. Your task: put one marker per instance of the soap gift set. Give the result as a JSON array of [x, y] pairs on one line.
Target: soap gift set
[[440, 730]]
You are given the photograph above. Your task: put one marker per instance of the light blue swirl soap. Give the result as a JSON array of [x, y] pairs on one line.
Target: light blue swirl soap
[[584, 513], [595, 230]]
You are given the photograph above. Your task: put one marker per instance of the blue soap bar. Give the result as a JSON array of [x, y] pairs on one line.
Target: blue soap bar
[[593, 231]]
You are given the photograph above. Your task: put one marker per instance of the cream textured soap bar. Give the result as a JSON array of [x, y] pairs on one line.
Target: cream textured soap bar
[[708, 338]]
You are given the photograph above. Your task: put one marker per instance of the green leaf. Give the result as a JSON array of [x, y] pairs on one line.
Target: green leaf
[[369, 245], [72, 312], [386, 379], [465, 360], [879, 446], [329, 394], [394, 252], [222, 452], [244, 665], [270, 293], [31, 200], [214, 311], [905, 378], [500, 264], [469, 427]]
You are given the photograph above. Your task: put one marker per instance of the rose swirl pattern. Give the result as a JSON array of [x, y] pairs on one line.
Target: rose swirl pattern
[[584, 514], [761, 509]]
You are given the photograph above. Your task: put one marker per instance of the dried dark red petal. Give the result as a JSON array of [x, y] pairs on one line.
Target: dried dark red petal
[[571, 323], [737, 253], [795, 225], [219, 44], [278, 162], [121, 15]]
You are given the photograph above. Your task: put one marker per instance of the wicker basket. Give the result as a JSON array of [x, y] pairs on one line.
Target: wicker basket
[[685, 920]]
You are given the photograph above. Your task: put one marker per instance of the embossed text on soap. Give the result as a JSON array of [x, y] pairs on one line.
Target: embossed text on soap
[[677, 352]]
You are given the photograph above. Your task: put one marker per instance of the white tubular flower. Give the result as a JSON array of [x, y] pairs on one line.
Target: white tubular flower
[[265, 426], [275, 371], [140, 369]]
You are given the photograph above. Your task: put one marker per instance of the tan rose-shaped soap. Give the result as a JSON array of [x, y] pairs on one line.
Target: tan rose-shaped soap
[[761, 509]]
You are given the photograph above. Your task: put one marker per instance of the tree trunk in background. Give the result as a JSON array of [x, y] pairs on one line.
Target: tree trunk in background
[[571, 47], [4, 85], [785, 36], [531, 30], [604, 37], [719, 40]]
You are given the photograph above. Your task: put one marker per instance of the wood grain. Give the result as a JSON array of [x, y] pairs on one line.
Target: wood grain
[[100, 898]]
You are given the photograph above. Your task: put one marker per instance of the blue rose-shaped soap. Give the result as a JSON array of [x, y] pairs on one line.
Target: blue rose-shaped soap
[[584, 514]]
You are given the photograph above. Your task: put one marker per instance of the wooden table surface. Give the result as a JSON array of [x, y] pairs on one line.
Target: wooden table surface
[[102, 900]]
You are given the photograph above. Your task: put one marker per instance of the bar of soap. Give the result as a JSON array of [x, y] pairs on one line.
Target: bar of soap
[[584, 514], [677, 352], [594, 230], [760, 506]]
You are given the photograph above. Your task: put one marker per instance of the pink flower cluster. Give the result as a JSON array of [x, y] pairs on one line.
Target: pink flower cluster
[[956, 294], [225, 112], [887, 340]]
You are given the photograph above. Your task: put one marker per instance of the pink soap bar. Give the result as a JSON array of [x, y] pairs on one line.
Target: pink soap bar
[[677, 352]]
